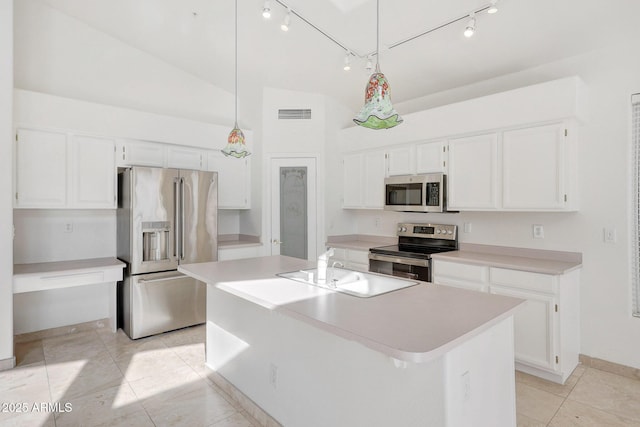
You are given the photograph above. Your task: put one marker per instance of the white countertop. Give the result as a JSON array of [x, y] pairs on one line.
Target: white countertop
[[534, 261], [415, 324], [40, 268]]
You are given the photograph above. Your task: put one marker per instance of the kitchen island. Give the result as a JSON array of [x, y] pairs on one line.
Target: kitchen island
[[425, 355]]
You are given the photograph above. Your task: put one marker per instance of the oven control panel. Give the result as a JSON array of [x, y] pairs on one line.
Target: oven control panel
[[434, 231]]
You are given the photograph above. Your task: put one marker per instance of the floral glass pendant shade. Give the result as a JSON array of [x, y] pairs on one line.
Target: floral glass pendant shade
[[236, 146], [377, 113]]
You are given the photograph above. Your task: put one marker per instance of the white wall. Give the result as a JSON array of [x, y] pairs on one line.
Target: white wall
[[6, 199], [608, 330]]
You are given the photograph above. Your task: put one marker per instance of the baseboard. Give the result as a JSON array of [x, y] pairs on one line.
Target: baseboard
[[63, 330], [248, 405], [611, 367], [6, 364]]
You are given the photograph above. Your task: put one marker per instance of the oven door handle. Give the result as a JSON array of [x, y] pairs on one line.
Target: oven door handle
[[399, 260]]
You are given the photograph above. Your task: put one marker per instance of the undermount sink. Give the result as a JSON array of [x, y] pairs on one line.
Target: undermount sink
[[351, 282]]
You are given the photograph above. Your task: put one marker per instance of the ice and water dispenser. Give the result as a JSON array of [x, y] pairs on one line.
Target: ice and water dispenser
[[155, 241]]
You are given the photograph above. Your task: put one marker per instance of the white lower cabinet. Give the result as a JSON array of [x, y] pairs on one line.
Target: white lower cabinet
[[352, 259], [546, 326]]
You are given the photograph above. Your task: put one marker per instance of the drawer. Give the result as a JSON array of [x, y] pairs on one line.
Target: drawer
[[360, 257], [31, 283], [474, 273], [524, 280], [472, 286]]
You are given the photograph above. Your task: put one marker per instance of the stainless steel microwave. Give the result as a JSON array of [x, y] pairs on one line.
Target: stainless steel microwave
[[415, 193]]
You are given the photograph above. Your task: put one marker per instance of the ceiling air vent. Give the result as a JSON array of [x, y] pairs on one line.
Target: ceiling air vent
[[294, 114]]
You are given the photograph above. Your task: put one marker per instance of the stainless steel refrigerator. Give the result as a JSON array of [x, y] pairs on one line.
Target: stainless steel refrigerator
[[165, 217]]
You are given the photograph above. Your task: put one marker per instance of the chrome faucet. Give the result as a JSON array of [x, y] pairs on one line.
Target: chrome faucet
[[323, 261]]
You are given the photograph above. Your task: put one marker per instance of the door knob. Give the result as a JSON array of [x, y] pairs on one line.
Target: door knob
[[277, 242]]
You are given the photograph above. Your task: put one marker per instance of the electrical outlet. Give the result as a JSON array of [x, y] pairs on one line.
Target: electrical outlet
[[538, 231], [610, 235], [273, 375], [68, 227], [376, 222], [467, 227]]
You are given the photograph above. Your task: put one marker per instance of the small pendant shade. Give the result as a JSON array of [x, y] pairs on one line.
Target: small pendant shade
[[236, 147], [377, 113]]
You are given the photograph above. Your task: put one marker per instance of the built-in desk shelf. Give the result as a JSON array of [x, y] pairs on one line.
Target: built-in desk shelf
[[53, 294]]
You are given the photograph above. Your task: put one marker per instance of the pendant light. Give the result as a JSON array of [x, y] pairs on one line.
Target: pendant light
[[377, 113], [236, 146]]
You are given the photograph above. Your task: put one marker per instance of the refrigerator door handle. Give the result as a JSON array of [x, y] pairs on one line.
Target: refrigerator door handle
[[182, 220], [176, 217]]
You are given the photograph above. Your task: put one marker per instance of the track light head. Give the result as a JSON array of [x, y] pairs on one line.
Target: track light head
[[493, 8], [471, 26], [266, 10], [286, 22], [347, 61]]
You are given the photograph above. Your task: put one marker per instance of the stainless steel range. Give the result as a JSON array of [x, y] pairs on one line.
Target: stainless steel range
[[411, 257]]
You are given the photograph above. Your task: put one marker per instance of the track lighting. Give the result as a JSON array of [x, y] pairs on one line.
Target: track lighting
[[493, 8], [347, 61], [287, 21], [471, 25], [369, 66], [266, 10]]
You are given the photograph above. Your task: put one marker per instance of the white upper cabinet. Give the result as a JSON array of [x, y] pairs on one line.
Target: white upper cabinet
[[233, 180], [373, 184], [141, 153], [534, 167], [353, 181], [431, 157], [473, 172], [180, 157], [93, 172], [41, 169], [363, 180], [59, 170], [401, 161]]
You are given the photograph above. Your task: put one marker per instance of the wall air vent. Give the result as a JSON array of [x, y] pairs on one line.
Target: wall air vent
[[294, 114]]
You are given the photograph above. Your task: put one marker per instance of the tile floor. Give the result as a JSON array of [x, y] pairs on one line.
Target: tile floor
[[110, 380]]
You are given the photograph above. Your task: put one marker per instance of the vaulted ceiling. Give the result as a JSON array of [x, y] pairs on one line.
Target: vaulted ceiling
[[198, 36]]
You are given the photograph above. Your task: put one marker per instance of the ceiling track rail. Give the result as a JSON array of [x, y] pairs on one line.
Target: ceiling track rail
[[389, 46]]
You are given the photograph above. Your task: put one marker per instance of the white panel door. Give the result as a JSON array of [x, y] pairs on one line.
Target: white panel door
[[373, 179], [93, 172], [141, 153], [233, 180], [41, 169], [430, 157], [352, 181], [185, 158], [533, 167], [533, 327], [401, 161], [473, 172]]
